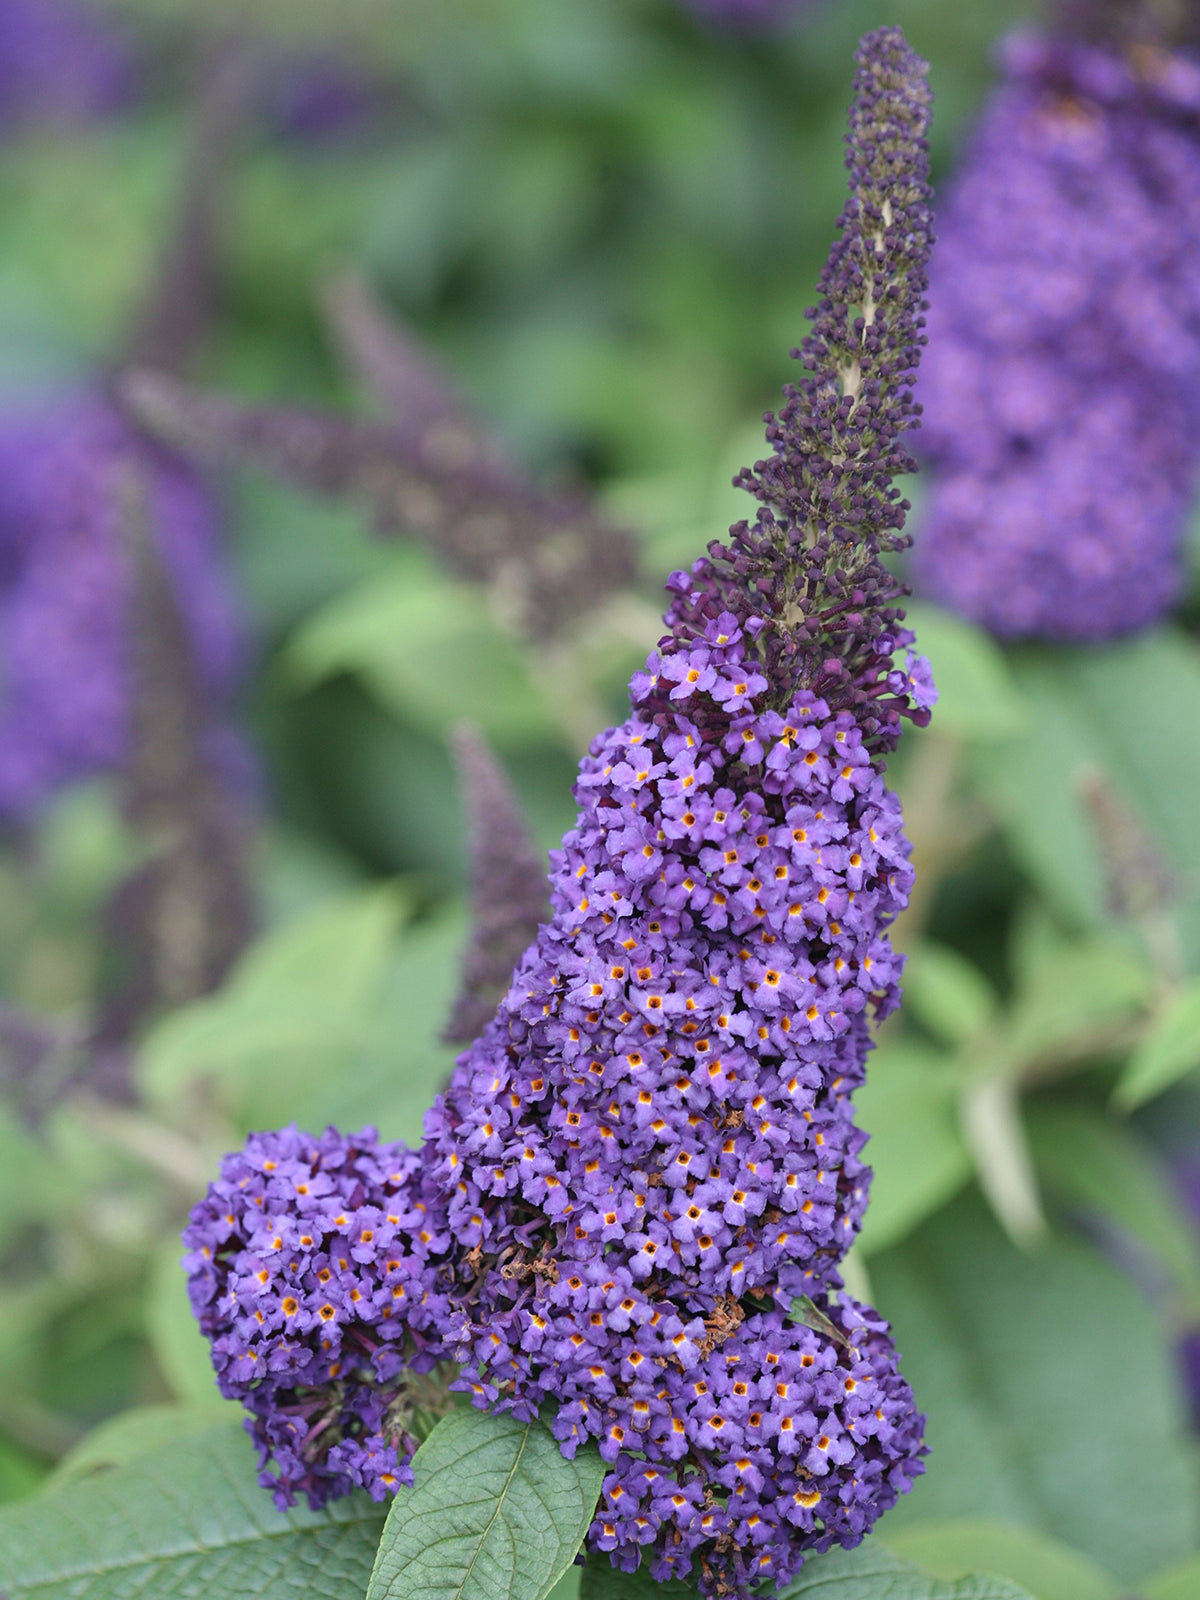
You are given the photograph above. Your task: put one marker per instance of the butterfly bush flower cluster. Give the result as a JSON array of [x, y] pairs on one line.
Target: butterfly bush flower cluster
[[635, 1194], [1062, 385], [325, 1313], [66, 589]]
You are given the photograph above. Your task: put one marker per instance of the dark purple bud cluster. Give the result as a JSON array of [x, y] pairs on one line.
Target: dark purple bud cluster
[[310, 1268], [67, 589], [808, 570], [650, 1155], [1062, 385]]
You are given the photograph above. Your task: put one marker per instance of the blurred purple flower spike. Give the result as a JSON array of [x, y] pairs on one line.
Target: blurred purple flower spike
[[60, 62], [66, 586], [1061, 388]]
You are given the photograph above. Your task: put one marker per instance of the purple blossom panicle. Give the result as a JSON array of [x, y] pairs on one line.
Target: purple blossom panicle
[[60, 61], [807, 575], [66, 587], [310, 1270], [1062, 385], [651, 1151], [650, 1154]]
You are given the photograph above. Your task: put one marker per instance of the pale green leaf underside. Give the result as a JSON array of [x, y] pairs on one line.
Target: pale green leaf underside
[[188, 1522], [496, 1513]]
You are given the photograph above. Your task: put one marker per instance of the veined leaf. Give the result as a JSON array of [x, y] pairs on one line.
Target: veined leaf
[[186, 1520], [497, 1512]]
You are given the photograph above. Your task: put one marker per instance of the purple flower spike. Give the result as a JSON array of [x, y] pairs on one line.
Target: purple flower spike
[[66, 588], [651, 1151], [1062, 385]]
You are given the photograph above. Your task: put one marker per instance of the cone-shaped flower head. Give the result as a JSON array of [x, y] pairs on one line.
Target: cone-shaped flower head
[[67, 590], [1062, 385], [650, 1153]]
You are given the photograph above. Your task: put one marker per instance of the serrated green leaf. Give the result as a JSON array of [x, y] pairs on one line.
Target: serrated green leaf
[[182, 1522], [1036, 1371], [496, 1512], [1048, 1569], [908, 1105], [1169, 1050], [978, 699]]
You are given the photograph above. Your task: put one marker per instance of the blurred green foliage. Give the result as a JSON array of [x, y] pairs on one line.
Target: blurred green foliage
[[608, 221]]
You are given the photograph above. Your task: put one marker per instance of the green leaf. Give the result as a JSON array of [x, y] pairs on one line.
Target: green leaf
[[909, 1107], [292, 1011], [183, 1521], [1070, 1003], [427, 647], [804, 1310], [1038, 1372], [946, 993], [403, 1061], [1048, 1569], [1126, 711], [20, 1473], [127, 1437], [978, 699], [497, 1512], [1101, 1164], [872, 1572], [602, 1581], [1169, 1050], [1179, 1583]]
